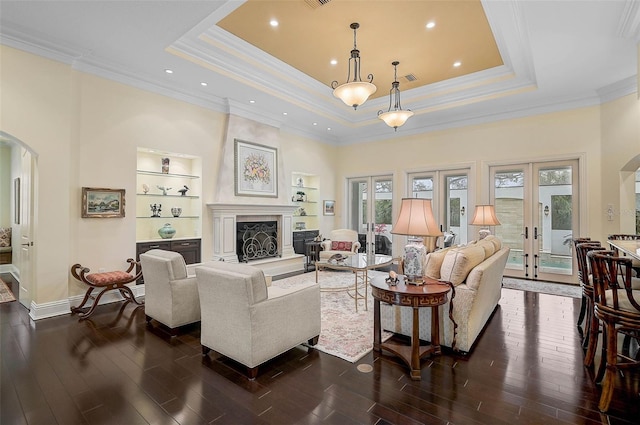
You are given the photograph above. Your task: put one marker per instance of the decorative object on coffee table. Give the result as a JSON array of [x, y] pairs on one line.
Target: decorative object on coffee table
[[416, 219], [485, 216], [167, 231]]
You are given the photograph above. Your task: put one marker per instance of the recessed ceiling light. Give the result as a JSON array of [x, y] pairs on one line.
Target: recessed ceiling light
[[273, 23], [430, 24], [315, 123], [328, 128], [457, 64], [285, 113], [333, 62], [203, 84], [252, 101], [168, 71]]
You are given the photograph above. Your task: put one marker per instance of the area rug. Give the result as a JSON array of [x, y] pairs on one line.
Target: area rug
[[562, 289], [5, 293], [344, 333]]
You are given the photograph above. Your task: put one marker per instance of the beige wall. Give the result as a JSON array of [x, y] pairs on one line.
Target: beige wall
[[85, 131], [569, 134], [620, 154]]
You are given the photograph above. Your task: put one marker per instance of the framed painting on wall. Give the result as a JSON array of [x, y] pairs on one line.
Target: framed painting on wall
[[102, 203], [256, 169], [329, 207]]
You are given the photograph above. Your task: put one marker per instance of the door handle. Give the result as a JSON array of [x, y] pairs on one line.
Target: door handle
[[535, 232], [28, 244], [526, 232]]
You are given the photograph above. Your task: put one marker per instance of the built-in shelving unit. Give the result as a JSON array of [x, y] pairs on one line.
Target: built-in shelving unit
[[305, 193], [182, 172]]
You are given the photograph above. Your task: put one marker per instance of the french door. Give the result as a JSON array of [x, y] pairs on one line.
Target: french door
[[537, 205], [370, 212], [449, 192]]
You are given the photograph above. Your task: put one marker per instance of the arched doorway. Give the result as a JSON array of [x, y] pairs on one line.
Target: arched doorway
[[22, 174]]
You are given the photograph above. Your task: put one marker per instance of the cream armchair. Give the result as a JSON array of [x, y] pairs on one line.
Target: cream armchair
[[341, 241], [171, 297], [251, 323]]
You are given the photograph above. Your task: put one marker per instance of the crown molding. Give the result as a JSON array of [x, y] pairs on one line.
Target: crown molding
[[629, 25]]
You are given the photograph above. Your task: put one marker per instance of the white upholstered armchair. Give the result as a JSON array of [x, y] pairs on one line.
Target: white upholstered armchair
[[341, 241], [171, 297], [251, 323]]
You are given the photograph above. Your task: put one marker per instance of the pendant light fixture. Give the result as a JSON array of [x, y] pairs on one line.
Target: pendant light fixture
[[395, 116], [354, 93]]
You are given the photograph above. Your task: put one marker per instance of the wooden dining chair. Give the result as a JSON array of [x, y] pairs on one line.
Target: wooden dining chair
[[617, 306], [591, 325], [583, 302]]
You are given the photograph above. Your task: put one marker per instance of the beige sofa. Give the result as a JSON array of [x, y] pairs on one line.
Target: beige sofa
[[247, 321], [476, 270], [341, 241]]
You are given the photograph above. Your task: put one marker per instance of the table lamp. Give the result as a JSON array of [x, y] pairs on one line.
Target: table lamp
[[485, 215], [416, 219]]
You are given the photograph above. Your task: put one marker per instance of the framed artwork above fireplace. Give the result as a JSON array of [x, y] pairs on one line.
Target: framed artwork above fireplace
[[256, 169]]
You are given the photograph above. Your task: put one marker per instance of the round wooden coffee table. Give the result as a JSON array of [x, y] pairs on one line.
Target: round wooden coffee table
[[432, 294]]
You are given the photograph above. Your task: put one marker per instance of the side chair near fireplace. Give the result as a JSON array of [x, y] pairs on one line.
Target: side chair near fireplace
[[251, 323], [341, 241], [171, 297]]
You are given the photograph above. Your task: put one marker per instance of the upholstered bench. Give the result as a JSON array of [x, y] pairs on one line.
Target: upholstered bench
[[105, 281]]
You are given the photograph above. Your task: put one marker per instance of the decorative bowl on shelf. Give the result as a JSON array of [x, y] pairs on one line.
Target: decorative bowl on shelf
[[176, 211]]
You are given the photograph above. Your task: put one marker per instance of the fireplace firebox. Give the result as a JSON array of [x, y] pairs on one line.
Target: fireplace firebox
[[256, 240]]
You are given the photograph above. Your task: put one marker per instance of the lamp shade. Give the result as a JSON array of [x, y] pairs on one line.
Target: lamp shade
[[354, 93], [485, 215], [396, 119], [416, 219]]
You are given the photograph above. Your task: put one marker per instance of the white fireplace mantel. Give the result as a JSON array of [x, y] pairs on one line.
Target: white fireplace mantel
[[225, 218]]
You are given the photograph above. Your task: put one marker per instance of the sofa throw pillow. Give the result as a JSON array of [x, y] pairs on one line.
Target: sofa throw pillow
[[458, 263], [341, 246], [433, 263], [5, 237], [488, 246], [495, 241]]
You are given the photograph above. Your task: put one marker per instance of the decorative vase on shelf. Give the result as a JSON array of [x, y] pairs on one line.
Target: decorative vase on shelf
[[165, 165], [176, 211], [166, 231]]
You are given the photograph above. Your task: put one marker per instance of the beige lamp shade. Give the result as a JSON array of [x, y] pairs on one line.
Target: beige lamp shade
[[485, 215], [416, 219], [354, 93]]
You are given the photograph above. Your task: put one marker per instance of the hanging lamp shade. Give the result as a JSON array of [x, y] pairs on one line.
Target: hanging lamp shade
[[354, 92], [395, 117]]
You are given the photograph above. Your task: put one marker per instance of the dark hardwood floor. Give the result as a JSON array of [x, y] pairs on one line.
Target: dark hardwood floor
[[111, 369]]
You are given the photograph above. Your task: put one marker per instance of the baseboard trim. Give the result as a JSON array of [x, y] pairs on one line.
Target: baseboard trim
[[62, 307]]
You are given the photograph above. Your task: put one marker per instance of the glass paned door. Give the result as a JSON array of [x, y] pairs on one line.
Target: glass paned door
[[536, 204], [448, 190], [371, 212]]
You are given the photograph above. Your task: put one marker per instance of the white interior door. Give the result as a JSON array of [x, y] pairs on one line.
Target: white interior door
[[25, 257]]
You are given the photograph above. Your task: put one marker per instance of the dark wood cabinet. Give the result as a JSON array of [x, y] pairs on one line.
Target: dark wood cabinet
[[301, 237], [189, 248]]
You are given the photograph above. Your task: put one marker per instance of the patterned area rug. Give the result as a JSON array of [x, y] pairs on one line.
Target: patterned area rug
[[5, 293], [349, 335], [562, 289], [345, 333]]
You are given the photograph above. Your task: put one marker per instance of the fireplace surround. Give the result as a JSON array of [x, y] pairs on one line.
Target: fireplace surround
[[225, 241]]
